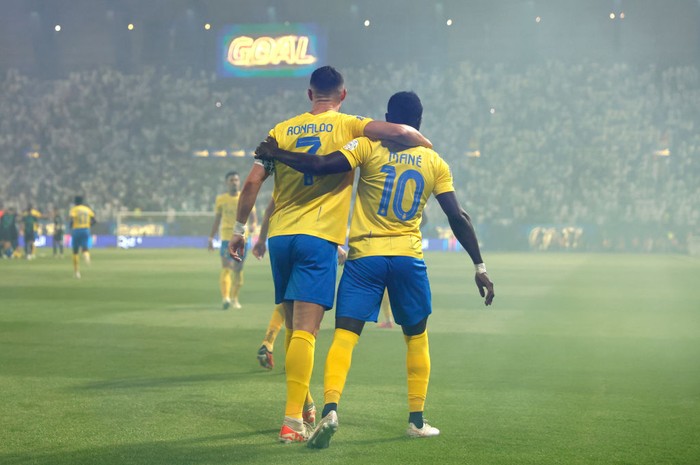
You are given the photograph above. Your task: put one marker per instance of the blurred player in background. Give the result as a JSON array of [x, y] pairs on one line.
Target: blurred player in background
[[386, 252], [8, 232], [306, 227], [58, 232], [82, 218], [225, 216], [30, 224]]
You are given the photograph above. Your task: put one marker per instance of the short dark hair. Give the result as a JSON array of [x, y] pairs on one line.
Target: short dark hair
[[405, 108], [231, 173], [326, 80], [78, 200]]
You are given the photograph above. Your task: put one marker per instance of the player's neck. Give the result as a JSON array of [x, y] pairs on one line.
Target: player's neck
[[322, 106], [233, 192]]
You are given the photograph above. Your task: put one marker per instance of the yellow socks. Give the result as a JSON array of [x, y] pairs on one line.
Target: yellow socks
[[288, 333], [236, 285], [273, 328], [76, 262], [338, 364], [298, 365], [418, 369], [225, 283]]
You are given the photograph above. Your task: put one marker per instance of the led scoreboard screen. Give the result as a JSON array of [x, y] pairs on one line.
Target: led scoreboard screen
[[259, 50]]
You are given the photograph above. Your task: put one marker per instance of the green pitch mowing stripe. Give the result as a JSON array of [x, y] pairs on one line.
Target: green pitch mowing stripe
[[583, 359]]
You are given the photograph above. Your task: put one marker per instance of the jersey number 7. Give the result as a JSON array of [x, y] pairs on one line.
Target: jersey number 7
[[314, 143]]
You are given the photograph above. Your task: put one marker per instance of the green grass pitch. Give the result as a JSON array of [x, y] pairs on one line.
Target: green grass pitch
[[583, 359]]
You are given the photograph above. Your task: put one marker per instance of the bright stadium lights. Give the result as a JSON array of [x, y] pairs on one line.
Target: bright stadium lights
[[207, 26], [612, 15], [538, 19], [367, 23], [57, 28], [130, 27], [218, 104], [449, 22], [492, 111], [622, 15]]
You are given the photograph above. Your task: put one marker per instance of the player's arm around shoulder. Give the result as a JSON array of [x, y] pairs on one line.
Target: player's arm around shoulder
[[399, 133], [306, 163]]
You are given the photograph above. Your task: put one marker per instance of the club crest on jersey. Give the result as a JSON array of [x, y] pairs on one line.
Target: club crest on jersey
[[352, 145]]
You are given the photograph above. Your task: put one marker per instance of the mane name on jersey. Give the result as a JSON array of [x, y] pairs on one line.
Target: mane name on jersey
[[405, 159], [309, 127]]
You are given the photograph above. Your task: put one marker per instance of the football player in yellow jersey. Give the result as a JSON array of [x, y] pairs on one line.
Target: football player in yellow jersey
[[307, 225], [225, 216], [386, 252], [82, 218]]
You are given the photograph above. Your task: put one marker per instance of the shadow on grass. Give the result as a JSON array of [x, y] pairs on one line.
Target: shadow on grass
[[220, 449], [249, 448], [136, 383]]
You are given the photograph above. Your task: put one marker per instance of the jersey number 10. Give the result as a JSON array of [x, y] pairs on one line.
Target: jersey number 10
[[397, 205]]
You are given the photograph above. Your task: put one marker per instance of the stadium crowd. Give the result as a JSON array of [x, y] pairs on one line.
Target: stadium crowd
[[614, 148]]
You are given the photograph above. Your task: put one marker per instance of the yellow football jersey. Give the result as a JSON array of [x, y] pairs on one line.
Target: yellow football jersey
[[226, 205], [315, 205], [80, 216], [391, 194]]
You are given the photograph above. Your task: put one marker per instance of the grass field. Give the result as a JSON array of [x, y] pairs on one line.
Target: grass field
[[583, 359]]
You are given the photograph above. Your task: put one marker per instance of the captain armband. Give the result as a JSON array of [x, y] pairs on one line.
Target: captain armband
[[269, 165]]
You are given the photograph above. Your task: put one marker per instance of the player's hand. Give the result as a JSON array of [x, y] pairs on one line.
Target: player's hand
[[342, 256], [210, 245], [236, 247], [267, 148], [485, 286], [259, 249]]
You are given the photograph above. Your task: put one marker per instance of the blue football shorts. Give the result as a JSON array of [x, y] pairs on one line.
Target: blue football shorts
[[304, 268], [80, 239], [362, 287]]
